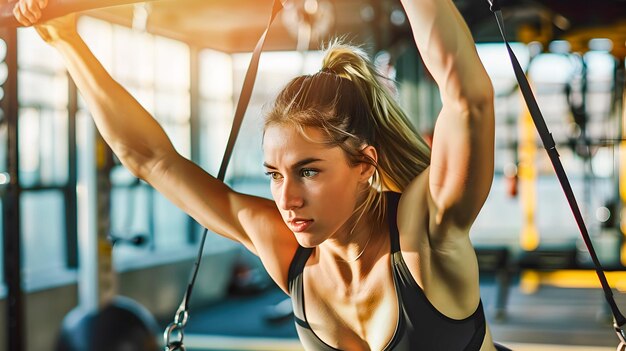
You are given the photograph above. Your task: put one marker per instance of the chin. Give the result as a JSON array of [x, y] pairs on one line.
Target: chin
[[307, 240]]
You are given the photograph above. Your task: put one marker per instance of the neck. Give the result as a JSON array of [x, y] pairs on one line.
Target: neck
[[351, 257], [356, 242]]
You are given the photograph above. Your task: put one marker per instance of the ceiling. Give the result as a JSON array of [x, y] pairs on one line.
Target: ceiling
[[235, 25]]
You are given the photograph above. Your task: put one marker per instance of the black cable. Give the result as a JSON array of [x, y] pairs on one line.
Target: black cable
[[180, 319]]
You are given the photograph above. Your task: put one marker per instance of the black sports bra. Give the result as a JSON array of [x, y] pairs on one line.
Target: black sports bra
[[420, 325]]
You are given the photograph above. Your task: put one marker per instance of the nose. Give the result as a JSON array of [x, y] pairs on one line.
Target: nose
[[289, 196]]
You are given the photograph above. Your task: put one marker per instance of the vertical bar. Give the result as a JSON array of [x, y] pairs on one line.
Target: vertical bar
[[195, 124], [71, 229], [620, 88], [87, 217], [151, 218], [107, 283], [11, 203]]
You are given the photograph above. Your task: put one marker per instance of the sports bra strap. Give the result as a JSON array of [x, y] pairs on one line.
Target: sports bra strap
[[392, 207], [297, 263]]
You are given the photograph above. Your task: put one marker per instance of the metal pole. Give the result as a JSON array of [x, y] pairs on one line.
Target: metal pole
[[69, 192], [195, 125], [11, 202]]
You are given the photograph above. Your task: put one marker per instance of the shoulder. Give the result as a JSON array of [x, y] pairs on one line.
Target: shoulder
[[271, 239]]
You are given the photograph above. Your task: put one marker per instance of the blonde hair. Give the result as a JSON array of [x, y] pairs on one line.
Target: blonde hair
[[348, 102]]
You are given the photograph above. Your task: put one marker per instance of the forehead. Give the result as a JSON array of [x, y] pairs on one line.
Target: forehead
[[288, 144]]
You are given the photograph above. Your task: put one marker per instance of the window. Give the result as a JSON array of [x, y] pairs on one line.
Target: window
[[276, 69], [216, 107], [549, 75], [44, 162], [155, 70]]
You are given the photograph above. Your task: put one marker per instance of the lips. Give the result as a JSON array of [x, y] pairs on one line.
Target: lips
[[299, 224]]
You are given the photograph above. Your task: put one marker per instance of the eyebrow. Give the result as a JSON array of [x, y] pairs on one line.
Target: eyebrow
[[298, 164]]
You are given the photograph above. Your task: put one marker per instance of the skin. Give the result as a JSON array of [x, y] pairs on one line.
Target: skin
[[309, 190], [355, 306], [28, 12]]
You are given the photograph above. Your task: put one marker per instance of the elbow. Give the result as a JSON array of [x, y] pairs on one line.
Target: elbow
[[134, 166], [139, 164], [477, 106], [479, 96], [473, 98]]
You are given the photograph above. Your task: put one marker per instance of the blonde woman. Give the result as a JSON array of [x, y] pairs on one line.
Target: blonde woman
[[368, 229]]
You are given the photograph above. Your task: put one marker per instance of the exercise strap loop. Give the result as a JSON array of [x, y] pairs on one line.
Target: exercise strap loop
[[550, 146], [182, 313]]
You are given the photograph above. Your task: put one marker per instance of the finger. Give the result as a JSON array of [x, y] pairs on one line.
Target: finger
[[43, 4], [36, 11], [19, 17], [26, 12]]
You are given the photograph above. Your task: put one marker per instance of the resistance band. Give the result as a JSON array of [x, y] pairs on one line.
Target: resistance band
[[174, 333], [550, 146]]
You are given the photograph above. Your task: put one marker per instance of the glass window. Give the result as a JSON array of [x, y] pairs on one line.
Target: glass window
[[43, 232], [155, 70], [550, 74], [44, 162], [276, 69], [43, 147], [216, 107]]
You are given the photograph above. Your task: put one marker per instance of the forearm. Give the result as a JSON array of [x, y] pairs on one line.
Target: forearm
[[448, 51], [131, 132]]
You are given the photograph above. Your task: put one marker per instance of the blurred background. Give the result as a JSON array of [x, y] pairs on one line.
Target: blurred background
[[78, 229]]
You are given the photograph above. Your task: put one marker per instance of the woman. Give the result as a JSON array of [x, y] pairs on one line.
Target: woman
[[367, 229]]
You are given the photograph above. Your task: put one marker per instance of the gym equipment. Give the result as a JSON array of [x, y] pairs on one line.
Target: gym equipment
[[122, 325], [549, 144]]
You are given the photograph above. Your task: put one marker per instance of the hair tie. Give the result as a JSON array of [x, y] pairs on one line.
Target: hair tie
[[328, 70]]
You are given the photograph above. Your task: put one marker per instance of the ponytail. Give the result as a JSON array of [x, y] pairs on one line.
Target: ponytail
[[403, 153]]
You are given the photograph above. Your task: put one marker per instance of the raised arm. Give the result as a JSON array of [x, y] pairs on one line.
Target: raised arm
[[144, 148], [461, 170]]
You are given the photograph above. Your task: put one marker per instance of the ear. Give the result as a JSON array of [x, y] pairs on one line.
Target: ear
[[367, 170]]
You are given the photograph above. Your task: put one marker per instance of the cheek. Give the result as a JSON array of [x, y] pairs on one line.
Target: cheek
[[337, 197]]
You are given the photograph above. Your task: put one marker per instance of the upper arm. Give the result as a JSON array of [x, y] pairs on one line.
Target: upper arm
[[253, 221], [461, 167], [453, 189]]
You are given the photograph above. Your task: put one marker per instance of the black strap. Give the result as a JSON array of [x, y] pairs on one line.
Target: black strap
[[549, 145], [181, 316], [393, 199]]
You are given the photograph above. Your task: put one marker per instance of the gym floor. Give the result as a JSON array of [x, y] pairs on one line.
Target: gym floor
[[550, 319]]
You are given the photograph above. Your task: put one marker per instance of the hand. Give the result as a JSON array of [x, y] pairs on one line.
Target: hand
[[28, 12]]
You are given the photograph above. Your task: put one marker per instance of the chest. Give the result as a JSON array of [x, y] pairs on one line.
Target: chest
[[357, 318]]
